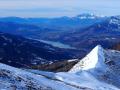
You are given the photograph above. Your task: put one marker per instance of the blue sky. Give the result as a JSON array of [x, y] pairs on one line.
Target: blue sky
[[57, 8]]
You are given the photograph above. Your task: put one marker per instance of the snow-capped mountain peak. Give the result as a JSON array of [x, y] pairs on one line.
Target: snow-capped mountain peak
[[89, 16], [115, 20], [101, 64], [94, 60]]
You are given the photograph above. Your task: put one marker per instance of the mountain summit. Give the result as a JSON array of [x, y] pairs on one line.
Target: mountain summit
[[94, 60], [89, 16], [101, 64]]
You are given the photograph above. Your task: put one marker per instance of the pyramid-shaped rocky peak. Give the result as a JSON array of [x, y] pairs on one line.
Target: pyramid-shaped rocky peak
[[95, 60]]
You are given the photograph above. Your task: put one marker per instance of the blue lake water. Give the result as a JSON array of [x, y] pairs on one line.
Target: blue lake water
[[58, 44]]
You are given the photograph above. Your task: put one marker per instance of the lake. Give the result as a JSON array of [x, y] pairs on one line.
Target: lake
[[57, 44]]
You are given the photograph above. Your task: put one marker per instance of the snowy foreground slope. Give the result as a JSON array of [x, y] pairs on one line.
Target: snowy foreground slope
[[99, 66], [99, 70]]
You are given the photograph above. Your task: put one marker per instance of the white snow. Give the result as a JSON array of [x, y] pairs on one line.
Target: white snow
[[81, 80], [95, 68], [84, 79], [71, 60], [92, 73], [21, 79], [94, 60]]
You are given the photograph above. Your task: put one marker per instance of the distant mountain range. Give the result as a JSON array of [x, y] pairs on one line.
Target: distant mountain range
[[106, 33], [63, 23], [83, 32], [41, 28]]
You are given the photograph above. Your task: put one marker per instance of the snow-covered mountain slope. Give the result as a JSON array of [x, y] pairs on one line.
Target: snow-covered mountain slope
[[99, 70], [82, 80], [15, 79], [103, 65], [94, 60]]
